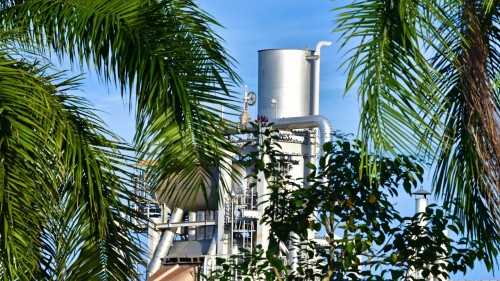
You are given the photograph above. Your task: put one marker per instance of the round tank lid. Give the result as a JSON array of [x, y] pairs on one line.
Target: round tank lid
[[422, 192], [285, 49]]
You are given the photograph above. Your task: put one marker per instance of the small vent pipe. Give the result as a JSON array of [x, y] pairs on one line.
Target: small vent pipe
[[315, 90]]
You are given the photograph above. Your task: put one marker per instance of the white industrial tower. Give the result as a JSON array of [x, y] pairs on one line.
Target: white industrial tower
[[184, 241]]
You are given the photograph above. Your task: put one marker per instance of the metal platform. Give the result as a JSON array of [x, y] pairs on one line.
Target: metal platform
[[187, 252]]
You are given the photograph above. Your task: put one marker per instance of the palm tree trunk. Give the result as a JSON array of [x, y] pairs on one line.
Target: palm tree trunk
[[481, 116]]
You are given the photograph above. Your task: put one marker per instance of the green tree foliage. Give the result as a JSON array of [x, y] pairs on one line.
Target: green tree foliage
[[162, 54], [64, 182], [366, 236], [63, 187], [428, 73]]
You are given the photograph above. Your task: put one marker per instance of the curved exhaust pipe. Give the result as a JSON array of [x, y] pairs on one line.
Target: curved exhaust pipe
[[305, 122]]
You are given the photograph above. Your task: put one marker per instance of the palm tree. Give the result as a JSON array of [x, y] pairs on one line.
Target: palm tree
[[429, 72], [64, 181]]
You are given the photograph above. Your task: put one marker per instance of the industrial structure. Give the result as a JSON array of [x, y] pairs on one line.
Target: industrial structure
[[184, 242]]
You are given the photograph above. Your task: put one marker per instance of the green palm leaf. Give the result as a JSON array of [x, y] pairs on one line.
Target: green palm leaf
[[428, 71], [63, 184], [164, 57], [164, 52]]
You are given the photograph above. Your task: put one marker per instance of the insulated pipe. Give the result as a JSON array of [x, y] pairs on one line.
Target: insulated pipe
[[212, 250], [209, 228], [164, 245], [192, 229], [304, 122], [201, 230], [442, 260], [324, 131], [420, 206], [293, 252], [210, 257], [315, 91]]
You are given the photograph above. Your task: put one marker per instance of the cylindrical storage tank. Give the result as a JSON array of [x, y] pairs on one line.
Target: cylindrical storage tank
[[285, 83], [183, 192]]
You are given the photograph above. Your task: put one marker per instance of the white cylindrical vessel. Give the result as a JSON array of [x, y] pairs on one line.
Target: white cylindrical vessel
[[285, 83], [420, 205], [179, 192]]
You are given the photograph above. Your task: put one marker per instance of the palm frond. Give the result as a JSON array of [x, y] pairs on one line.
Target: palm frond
[[61, 178], [395, 76], [467, 167], [164, 52], [429, 84]]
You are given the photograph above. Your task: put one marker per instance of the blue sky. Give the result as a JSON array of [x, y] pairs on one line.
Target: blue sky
[[254, 25]]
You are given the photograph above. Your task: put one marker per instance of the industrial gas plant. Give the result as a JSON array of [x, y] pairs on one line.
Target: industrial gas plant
[[183, 243]]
